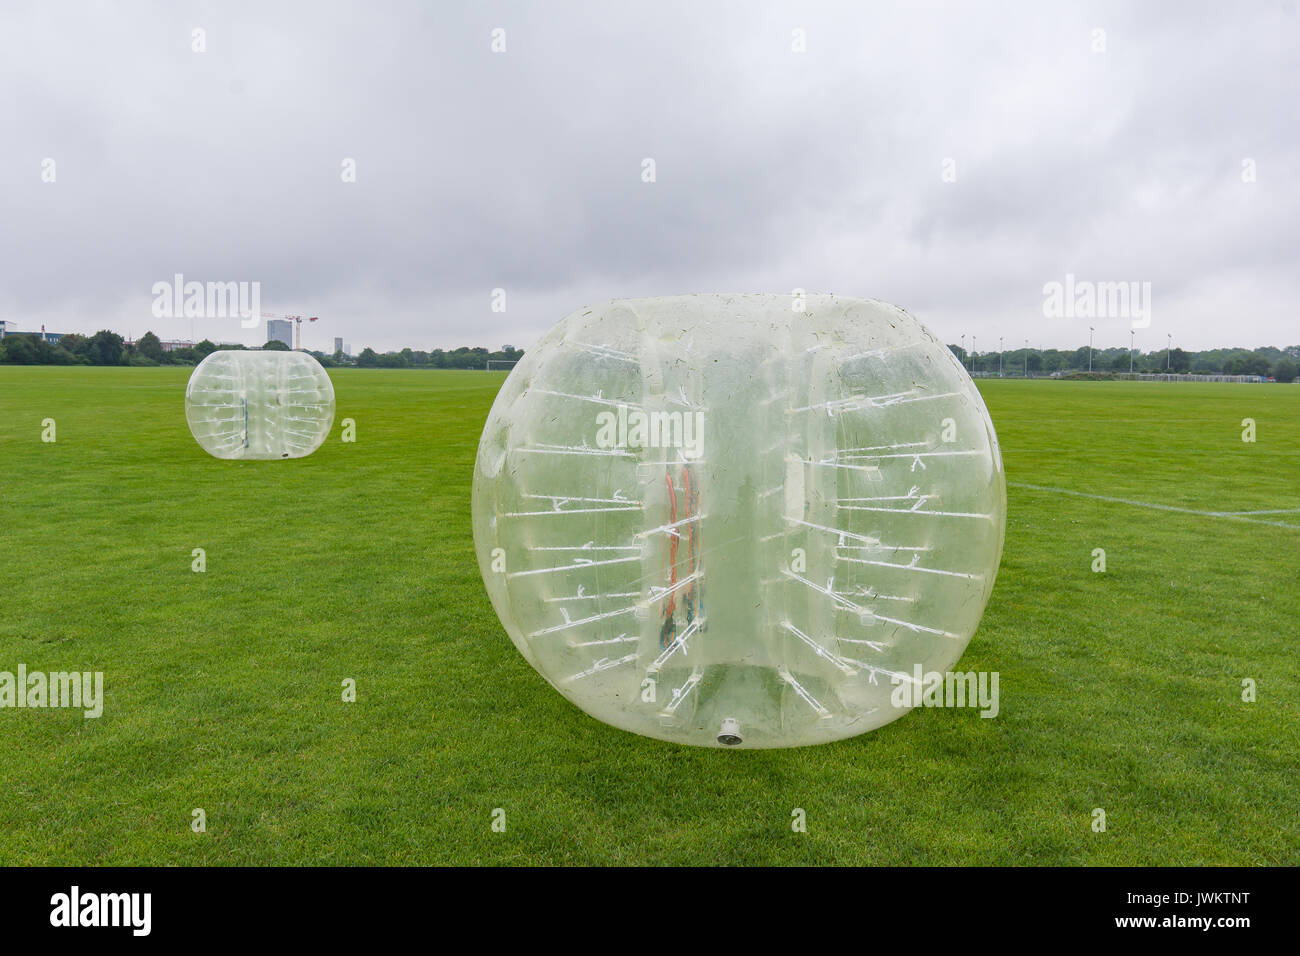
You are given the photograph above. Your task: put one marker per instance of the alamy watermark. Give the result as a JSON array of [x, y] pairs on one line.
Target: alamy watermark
[[57, 689], [951, 689], [1084, 299], [634, 428], [208, 300], [133, 911]]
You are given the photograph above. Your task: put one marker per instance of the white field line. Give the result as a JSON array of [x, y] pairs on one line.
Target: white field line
[[1229, 515]]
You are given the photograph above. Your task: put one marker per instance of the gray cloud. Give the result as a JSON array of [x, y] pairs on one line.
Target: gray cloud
[[775, 170]]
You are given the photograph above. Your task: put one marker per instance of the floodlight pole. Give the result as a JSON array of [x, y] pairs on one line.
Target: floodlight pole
[[973, 352], [999, 356], [1168, 346], [963, 350], [1131, 333], [1026, 358], [1090, 331]]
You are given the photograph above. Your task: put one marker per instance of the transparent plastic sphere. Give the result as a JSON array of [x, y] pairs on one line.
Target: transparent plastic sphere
[[739, 520], [259, 405]]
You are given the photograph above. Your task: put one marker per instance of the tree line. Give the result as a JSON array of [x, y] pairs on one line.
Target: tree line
[[1283, 365], [415, 358], [109, 348]]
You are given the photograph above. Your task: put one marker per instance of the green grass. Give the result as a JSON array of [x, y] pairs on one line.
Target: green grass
[[1119, 690]]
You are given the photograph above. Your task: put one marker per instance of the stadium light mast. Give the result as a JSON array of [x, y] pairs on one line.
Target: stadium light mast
[[1168, 347], [1131, 333], [999, 356], [973, 352], [1090, 331], [963, 350], [1026, 358]]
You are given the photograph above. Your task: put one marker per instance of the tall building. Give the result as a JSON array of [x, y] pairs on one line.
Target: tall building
[[279, 330], [338, 345], [51, 337]]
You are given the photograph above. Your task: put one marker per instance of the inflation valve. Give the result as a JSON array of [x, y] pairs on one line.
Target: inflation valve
[[729, 736]]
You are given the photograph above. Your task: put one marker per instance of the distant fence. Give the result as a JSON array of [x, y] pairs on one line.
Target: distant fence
[[1165, 377], [1128, 376], [1010, 374]]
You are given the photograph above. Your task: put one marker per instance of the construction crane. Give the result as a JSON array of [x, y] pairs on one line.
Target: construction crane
[[297, 325]]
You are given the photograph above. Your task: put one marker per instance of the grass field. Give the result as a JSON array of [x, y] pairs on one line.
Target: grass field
[[1120, 690]]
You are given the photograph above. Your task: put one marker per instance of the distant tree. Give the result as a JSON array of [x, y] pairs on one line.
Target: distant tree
[[1204, 366], [33, 350], [150, 347], [105, 348], [467, 358], [1257, 364], [507, 353], [275, 345], [47, 353], [1245, 363], [204, 349], [20, 350], [368, 358], [1285, 369]]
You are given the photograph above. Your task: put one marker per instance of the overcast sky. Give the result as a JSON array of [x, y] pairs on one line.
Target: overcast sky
[[1164, 150]]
